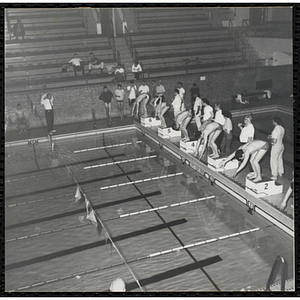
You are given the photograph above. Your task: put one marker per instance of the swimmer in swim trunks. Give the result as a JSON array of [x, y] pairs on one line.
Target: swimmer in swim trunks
[[209, 135], [182, 120], [255, 150], [142, 100], [160, 109]]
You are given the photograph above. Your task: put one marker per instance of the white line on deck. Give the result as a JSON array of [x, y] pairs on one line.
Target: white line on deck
[[119, 162], [105, 147]]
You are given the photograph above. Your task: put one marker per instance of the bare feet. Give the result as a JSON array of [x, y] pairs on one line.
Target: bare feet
[[251, 174], [215, 156], [257, 179]]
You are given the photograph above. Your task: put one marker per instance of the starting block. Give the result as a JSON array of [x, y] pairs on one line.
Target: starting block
[[167, 133], [188, 147], [266, 187], [215, 164], [150, 121]]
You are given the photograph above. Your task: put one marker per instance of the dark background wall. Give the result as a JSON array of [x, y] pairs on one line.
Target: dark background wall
[[76, 104]]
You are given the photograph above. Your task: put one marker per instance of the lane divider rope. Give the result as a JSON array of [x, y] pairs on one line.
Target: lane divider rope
[[205, 242], [110, 219], [105, 147]]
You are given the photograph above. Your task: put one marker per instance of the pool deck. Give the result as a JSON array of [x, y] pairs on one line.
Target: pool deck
[[238, 183]]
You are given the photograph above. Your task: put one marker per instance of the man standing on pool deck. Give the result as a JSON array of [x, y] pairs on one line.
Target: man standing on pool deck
[[106, 96], [276, 137], [255, 150], [47, 102]]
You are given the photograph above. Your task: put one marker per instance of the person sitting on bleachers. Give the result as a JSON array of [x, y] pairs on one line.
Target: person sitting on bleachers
[[95, 63], [22, 122], [119, 72], [77, 64], [18, 30]]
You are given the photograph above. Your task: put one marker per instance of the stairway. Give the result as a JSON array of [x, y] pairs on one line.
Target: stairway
[[125, 55]]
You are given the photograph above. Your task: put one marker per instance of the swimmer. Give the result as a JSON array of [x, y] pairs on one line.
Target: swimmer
[[255, 150], [141, 99], [160, 109], [182, 120], [209, 135]]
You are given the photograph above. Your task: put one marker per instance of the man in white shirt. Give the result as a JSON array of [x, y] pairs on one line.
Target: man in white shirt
[[247, 130], [208, 113], [136, 70], [132, 93], [47, 101], [198, 110], [77, 64], [276, 137], [144, 88], [181, 90], [177, 103], [160, 90]]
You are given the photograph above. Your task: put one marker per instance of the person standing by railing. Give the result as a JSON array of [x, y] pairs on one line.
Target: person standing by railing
[[136, 70]]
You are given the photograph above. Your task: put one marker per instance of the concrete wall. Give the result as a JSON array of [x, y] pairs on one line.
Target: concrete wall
[[76, 104]]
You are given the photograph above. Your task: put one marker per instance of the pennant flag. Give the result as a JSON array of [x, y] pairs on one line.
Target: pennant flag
[[92, 216], [79, 195]]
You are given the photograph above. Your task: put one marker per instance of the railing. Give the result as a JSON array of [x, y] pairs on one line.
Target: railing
[[279, 263], [246, 22], [129, 43], [247, 55]]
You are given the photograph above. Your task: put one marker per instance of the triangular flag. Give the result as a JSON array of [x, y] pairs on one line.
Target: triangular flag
[[92, 216], [79, 195]]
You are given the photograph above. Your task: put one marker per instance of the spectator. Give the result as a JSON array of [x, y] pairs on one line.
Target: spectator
[[219, 118], [106, 96], [47, 101], [254, 150], [181, 90], [22, 122], [95, 63], [144, 88], [198, 110], [195, 92], [247, 130], [208, 113], [18, 30], [276, 137], [153, 89], [136, 70], [177, 103], [119, 94], [227, 135], [247, 133], [77, 63], [120, 73], [132, 93], [160, 90]]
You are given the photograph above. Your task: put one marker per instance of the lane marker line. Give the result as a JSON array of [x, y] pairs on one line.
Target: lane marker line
[[142, 180], [119, 162], [105, 147]]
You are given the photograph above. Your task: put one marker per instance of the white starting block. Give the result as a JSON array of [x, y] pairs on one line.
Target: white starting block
[[167, 133], [215, 164], [149, 122], [266, 187], [188, 147]]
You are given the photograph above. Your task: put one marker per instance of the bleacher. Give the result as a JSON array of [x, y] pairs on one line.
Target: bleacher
[[186, 44], [52, 37]]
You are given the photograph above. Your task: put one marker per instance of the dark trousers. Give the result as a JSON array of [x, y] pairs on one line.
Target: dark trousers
[[226, 143], [49, 119], [78, 68]]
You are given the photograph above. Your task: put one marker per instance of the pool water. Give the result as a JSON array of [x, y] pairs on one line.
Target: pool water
[[51, 246]]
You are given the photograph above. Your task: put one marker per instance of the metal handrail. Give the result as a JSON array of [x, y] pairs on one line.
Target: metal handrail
[[118, 56], [279, 263], [230, 27]]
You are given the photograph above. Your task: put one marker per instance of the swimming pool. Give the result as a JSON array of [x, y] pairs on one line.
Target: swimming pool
[[171, 228]]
